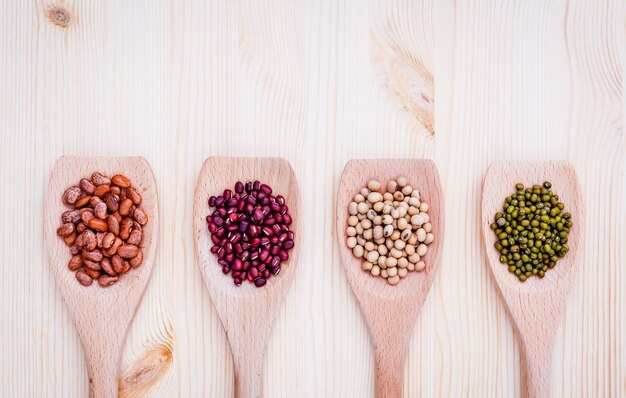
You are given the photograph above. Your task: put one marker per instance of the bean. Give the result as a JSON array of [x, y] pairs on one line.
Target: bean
[[65, 229], [351, 242], [121, 181], [107, 280], [374, 197], [83, 278]]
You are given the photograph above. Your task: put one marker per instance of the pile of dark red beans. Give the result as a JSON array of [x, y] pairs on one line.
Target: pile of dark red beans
[[250, 232]]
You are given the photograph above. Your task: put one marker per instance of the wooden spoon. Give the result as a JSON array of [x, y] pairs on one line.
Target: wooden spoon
[[390, 311], [247, 312], [536, 305], [101, 315]]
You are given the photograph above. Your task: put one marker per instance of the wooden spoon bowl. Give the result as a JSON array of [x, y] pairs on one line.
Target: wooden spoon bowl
[[390, 311], [536, 305], [101, 315], [247, 312]]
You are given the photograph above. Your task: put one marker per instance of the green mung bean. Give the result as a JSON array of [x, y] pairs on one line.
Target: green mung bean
[[532, 230]]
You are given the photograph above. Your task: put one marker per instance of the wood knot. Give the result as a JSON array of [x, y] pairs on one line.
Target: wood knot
[[139, 379], [59, 16]]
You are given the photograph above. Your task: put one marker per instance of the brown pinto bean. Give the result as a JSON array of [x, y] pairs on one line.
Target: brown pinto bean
[[99, 179], [66, 229], [98, 224], [100, 210], [125, 206], [81, 227], [74, 249], [87, 186], [113, 224], [90, 241], [140, 216], [72, 216], [118, 264], [82, 202], [137, 260], [107, 280], [118, 216], [135, 237], [70, 239], [95, 256], [86, 215], [108, 239], [75, 263], [92, 265], [101, 190], [95, 274], [107, 266], [113, 249], [125, 228], [128, 251], [84, 278], [121, 181], [112, 201], [134, 195], [93, 202], [99, 237], [116, 190], [71, 195]]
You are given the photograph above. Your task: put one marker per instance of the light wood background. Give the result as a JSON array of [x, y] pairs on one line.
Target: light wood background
[[317, 82]]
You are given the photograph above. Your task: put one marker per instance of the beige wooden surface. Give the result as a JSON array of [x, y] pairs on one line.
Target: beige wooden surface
[[316, 82]]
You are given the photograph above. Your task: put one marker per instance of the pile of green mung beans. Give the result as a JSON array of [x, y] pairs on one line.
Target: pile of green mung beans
[[532, 231]]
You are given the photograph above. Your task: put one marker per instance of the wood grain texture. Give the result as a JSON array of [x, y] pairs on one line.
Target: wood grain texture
[[535, 306], [179, 81], [101, 315], [390, 311], [247, 312]]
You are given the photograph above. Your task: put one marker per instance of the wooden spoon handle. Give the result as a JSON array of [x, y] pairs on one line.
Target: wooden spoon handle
[[536, 372], [389, 373], [249, 374], [103, 367], [390, 333], [248, 341]]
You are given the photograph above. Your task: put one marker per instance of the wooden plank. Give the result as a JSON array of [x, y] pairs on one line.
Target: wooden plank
[[318, 83]]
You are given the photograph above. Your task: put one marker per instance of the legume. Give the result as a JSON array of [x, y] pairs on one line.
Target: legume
[[389, 230], [532, 231], [104, 228], [251, 234]]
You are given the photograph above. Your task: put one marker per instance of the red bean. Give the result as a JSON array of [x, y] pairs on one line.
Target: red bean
[[239, 187], [250, 232]]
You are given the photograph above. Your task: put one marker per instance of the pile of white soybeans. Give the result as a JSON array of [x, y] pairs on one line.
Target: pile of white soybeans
[[390, 230]]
